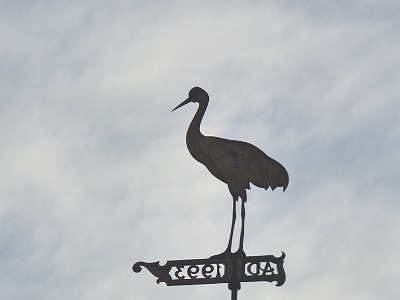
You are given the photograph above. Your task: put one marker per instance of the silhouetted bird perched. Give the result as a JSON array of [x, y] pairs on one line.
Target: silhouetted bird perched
[[236, 163]]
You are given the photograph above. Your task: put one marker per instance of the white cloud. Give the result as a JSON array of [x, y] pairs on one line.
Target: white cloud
[[95, 173]]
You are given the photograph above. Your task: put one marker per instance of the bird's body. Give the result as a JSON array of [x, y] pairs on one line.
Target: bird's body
[[236, 163]]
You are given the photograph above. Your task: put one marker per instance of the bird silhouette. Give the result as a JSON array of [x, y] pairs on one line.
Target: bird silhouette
[[235, 163]]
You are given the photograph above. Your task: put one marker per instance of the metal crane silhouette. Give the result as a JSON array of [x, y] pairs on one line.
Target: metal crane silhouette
[[236, 163]]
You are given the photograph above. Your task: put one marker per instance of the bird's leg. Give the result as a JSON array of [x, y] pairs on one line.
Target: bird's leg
[[228, 251], [229, 248], [240, 251]]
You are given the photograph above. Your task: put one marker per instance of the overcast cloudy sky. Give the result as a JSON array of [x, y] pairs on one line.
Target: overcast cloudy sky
[[95, 174]]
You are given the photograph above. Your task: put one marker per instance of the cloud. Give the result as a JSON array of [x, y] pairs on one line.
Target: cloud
[[96, 175]]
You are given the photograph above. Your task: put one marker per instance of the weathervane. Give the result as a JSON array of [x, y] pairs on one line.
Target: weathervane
[[237, 164]]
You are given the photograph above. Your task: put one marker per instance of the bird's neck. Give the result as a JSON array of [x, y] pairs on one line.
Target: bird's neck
[[194, 127]]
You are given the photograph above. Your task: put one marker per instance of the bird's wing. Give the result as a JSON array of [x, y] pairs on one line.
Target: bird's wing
[[263, 171], [241, 163], [228, 159]]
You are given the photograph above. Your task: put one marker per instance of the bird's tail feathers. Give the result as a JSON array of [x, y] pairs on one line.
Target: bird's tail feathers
[[276, 176]]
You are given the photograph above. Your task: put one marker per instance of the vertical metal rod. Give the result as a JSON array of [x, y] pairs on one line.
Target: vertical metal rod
[[234, 283], [234, 294]]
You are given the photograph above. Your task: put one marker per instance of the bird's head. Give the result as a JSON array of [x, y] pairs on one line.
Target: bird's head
[[196, 94]]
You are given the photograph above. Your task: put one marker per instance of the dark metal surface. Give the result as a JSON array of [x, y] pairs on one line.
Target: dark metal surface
[[232, 270], [237, 164]]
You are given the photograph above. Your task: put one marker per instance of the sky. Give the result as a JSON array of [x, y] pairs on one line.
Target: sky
[[95, 173]]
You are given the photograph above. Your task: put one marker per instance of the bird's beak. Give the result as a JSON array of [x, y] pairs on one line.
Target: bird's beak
[[182, 104]]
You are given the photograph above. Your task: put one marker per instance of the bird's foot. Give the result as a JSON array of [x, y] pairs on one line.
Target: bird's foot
[[228, 254], [240, 253], [225, 254]]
